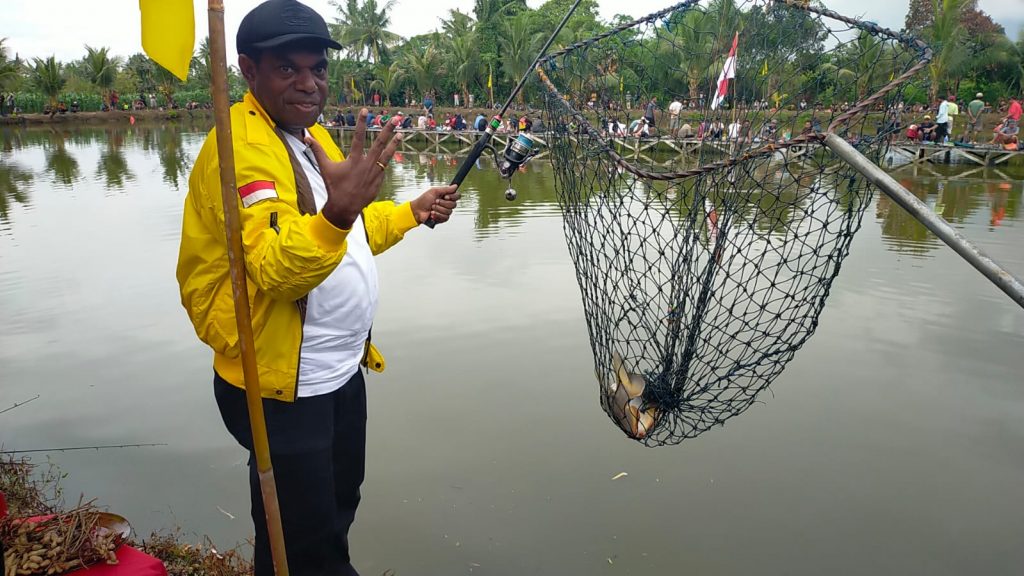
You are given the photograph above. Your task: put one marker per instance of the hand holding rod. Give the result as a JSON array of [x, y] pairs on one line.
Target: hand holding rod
[[481, 144]]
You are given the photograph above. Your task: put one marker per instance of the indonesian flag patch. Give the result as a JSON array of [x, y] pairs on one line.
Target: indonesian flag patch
[[253, 192]]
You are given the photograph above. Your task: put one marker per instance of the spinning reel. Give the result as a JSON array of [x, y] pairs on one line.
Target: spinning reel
[[518, 151]]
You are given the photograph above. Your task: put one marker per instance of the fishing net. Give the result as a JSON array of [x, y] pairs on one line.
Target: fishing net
[[706, 244]]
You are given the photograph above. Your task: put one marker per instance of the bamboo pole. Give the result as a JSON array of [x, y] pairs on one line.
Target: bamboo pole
[[239, 289], [998, 275]]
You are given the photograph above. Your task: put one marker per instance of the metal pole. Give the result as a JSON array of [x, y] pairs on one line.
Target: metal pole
[[999, 276], [236, 260]]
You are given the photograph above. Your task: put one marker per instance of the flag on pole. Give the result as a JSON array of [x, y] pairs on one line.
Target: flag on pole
[[622, 84], [355, 91], [169, 33], [490, 79], [764, 69], [728, 72]]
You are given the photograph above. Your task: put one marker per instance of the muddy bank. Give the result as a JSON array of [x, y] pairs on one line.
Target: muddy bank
[[115, 117]]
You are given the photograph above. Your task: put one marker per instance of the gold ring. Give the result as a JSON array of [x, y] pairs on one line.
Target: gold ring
[[382, 166]]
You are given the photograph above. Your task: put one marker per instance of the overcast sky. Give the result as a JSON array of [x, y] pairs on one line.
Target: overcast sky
[[63, 27]]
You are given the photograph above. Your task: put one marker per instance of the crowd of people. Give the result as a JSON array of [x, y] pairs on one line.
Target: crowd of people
[[942, 128], [425, 121]]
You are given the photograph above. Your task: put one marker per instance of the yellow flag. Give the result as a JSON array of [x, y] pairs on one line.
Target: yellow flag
[[622, 85], [490, 80], [764, 69], [169, 33]]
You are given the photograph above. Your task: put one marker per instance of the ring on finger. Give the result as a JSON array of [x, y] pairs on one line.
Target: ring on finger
[[382, 165]]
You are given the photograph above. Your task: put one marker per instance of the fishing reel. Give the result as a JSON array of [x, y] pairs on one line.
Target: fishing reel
[[518, 151]]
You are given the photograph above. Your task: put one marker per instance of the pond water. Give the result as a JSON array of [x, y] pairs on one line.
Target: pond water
[[892, 443]]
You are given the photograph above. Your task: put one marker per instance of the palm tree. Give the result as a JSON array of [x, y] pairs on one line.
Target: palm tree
[[364, 29], [100, 69], [423, 66], [464, 61], [519, 45], [387, 79], [48, 78], [9, 69], [947, 37]]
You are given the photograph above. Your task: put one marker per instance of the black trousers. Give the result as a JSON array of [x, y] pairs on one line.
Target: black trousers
[[318, 451]]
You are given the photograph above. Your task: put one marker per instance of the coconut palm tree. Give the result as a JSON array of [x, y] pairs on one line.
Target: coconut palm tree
[[100, 68], [423, 66], [47, 77], [519, 45], [464, 61], [387, 80], [364, 29], [9, 69], [947, 35]]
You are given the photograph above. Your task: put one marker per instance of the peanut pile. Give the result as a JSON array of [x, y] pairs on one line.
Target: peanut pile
[[58, 544]]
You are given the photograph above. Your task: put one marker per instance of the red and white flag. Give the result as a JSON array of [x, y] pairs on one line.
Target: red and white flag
[[728, 72]]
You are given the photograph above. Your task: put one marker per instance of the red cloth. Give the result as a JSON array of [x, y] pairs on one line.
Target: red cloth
[[132, 562]]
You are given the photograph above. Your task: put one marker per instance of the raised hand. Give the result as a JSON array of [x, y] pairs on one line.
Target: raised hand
[[355, 182]]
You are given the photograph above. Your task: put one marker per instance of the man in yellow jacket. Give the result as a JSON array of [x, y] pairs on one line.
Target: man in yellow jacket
[[310, 229]]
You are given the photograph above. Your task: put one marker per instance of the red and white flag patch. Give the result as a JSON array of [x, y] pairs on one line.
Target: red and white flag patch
[[253, 192]]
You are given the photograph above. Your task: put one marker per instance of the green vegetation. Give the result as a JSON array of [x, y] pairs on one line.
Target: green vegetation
[[501, 37]]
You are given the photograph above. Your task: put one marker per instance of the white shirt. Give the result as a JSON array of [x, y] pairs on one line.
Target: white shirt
[[734, 130], [675, 107], [340, 311], [943, 116]]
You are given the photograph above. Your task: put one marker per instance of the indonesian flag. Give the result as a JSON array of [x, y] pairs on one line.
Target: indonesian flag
[[728, 71]]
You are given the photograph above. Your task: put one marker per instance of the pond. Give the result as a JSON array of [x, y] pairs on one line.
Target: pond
[[892, 443]]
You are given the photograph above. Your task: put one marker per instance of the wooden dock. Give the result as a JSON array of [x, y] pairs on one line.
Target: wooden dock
[[916, 153], [667, 151]]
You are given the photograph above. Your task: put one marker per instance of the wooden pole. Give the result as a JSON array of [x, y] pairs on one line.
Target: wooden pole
[[991, 269], [232, 225]]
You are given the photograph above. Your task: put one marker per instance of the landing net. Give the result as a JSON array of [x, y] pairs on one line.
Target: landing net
[[706, 240]]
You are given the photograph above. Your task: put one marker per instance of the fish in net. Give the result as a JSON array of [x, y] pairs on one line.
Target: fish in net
[[706, 240]]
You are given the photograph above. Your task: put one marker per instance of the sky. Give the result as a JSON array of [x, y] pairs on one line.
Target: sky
[[63, 27]]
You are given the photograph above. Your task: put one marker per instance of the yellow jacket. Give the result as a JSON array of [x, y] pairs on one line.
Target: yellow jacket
[[289, 249]]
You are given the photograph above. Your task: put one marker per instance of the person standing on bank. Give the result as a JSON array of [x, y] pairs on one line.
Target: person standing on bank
[[310, 228]]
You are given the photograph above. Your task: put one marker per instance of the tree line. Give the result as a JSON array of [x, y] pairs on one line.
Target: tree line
[[489, 50]]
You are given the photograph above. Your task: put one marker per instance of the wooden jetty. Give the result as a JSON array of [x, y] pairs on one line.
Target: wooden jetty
[[919, 153], [665, 151], [669, 150]]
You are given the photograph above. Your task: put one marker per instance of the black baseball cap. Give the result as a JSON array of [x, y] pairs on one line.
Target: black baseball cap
[[278, 22]]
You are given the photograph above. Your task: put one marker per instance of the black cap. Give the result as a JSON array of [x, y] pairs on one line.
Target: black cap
[[278, 22]]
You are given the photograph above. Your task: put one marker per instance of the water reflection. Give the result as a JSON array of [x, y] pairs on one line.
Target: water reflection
[[175, 162], [59, 161], [957, 200], [113, 166], [14, 183]]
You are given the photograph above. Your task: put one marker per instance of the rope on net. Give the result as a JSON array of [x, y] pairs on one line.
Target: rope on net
[[704, 270]]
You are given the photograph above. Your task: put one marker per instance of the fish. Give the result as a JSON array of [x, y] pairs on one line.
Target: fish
[[624, 398]]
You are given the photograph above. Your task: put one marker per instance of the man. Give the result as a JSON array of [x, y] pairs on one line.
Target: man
[[942, 121], [310, 228], [1006, 132], [928, 130], [480, 124], [649, 112], [673, 117], [974, 123]]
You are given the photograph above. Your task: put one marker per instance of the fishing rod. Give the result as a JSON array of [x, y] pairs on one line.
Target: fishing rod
[[518, 151], [73, 448], [16, 404]]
